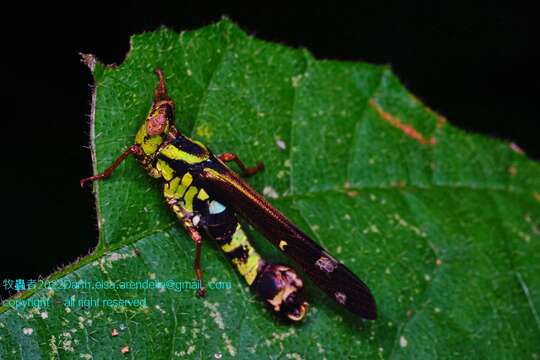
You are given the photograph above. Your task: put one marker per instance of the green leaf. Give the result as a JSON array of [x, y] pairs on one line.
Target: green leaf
[[444, 226]]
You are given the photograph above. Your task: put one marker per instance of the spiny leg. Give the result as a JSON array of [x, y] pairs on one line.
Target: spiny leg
[[197, 238], [185, 219], [134, 149], [246, 171]]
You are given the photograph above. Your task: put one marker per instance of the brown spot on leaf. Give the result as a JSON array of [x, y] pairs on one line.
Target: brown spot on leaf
[[409, 130]]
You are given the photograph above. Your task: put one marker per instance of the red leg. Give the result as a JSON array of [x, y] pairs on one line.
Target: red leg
[[246, 171], [185, 219], [197, 239], [135, 150]]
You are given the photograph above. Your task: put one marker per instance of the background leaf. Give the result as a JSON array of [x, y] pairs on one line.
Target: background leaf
[[444, 226]]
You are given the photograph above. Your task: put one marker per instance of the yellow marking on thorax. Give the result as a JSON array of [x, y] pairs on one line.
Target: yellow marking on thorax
[[151, 145], [249, 268], [172, 152], [282, 244], [176, 187], [166, 171], [139, 138], [186, 181], [170, 188], [202, 195]]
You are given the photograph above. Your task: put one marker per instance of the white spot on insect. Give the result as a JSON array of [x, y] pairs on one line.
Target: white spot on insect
[[341, 298], [28, 331], [326, 264], [215, 207], [196, 219], [269, 191], [281, 144], [402, 342]]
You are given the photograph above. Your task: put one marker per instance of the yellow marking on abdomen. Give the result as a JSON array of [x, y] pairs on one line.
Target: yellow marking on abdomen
[[282, 244], [248, 268], [172, 152], [237, 239]]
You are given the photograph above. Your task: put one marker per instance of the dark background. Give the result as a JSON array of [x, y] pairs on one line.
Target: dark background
[[475, 64]]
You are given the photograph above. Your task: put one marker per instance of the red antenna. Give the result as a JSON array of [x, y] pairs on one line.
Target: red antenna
[[161, 90]]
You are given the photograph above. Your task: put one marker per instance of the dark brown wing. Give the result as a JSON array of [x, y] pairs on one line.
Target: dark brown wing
[[330, 275]]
